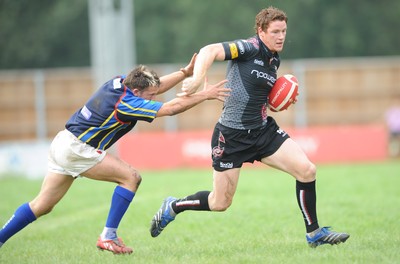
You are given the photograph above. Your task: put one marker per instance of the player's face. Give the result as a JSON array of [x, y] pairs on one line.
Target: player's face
[[149, 93], [274, 36]]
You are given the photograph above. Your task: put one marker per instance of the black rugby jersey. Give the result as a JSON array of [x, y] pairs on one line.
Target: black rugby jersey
[[111, 112], [251, 73]]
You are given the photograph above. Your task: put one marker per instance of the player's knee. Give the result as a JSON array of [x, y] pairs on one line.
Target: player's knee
[[131, 180], [309, 172], [312, 170], [136, 178]]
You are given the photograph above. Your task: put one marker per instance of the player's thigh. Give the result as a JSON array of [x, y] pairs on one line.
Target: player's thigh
[[224, 187], [54, 187], [291, 158], [113, 169]]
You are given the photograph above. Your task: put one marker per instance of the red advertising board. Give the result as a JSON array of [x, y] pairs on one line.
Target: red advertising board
[[192, 149]]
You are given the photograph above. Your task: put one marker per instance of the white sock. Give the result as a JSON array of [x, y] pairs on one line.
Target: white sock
[[109, 233]]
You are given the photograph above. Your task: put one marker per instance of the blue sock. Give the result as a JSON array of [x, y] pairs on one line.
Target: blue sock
[[119, 204], [22, 217]]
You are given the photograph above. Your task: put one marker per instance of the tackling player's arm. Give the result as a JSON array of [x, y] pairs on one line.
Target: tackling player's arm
[[181, 104], [170, 80]]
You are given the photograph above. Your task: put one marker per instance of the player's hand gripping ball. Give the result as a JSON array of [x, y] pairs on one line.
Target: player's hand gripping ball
[[283, 93]]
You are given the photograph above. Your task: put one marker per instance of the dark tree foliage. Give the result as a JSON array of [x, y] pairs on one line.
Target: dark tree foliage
[[43, 33], [48, 33]]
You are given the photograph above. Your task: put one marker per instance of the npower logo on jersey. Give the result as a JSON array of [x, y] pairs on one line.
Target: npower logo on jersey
[[263, 75]]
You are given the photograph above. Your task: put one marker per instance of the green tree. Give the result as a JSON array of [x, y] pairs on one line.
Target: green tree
[[48, 33], [43, 33]]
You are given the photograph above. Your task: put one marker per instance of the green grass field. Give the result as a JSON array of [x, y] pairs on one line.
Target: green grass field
[[264, 224]]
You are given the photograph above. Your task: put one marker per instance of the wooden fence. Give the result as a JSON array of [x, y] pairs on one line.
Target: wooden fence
[[36, 103]]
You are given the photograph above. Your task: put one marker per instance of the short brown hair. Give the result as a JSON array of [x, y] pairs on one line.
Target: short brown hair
[[141, 78], [267, 15]]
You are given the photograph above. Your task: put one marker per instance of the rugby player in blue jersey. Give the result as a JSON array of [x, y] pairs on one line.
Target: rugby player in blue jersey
[[246, 133], [80, 149]]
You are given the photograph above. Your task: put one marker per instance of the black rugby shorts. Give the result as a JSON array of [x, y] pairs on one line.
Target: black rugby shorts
[[232, 147]]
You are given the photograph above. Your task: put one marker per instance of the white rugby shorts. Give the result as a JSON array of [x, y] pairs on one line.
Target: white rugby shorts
[[70, 156]]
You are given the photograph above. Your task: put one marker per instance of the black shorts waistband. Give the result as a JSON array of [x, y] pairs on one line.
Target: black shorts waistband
[[245, 131]]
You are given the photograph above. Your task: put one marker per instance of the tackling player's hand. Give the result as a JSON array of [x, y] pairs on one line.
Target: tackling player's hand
[[188, 70], [216, 91]]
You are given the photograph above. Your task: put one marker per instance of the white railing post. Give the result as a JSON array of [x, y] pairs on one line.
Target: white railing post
[[40, 105]]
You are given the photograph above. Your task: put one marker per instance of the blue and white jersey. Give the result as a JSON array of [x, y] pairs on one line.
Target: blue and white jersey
[[110, 113]]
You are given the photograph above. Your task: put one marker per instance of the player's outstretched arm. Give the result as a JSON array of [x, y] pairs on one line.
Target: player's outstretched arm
[[170, 80], [181, 104]]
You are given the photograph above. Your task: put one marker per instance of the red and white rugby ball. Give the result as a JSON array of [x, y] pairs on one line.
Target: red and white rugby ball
[[283, 93]]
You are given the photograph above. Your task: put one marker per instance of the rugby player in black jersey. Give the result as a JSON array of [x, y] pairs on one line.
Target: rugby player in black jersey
[[245, 132], [80, 149]]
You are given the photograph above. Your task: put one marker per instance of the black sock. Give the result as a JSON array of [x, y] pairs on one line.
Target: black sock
[[307, 200], [197, 201]]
